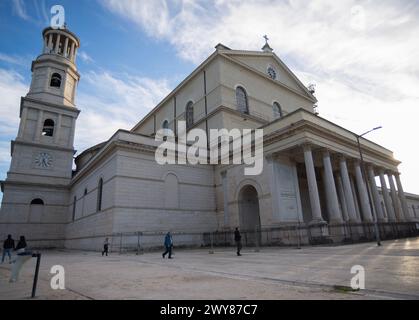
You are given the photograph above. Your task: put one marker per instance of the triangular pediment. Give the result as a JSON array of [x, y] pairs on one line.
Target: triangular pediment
[[262, 61]]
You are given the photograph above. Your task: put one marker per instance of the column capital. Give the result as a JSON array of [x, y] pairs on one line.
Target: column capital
[[326, 152], [341, 157], [389, 172], [381, 170], [307, 146]]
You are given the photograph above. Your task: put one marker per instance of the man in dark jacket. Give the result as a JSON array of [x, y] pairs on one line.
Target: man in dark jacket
[[168, 243], [8, 246], [238, 239]]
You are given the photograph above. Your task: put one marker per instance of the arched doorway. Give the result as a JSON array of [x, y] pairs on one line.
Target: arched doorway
[[249, 213]]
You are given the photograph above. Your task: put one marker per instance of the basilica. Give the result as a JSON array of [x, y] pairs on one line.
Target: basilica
[[317, 177]]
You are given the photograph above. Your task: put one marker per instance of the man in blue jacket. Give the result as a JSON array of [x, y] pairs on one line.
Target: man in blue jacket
[[168, 243]]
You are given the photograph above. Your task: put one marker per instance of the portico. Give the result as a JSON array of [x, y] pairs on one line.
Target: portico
[[329, 171]]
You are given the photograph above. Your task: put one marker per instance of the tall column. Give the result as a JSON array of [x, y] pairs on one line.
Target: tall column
[[354, 194], [402, 197], [65, 47], [75, 55], [350, 203], [341, 194], [50, 43], [389, 207], [312, 186], [44, 50], [39, 125], [73, 46], [396, 202], [331, 194], [363, 194], [273, 177], [225, 199], [57, 44], [375, 195]]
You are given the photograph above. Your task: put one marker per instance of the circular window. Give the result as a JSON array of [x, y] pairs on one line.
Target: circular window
[[272, 73]]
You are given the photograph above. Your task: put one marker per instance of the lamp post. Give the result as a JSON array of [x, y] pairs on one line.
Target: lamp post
[[358, 137]]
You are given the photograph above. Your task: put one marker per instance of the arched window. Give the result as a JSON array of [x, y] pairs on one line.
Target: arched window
[[171, 191], [242, 103], [37, 201], [277, 110], [99, 195], [189, 114], [55, 80], [165, 124], [74, 207], [48, 129]]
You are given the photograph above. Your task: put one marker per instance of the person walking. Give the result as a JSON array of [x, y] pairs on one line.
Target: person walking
[[8, 246], [238, 239], [105, 247], [23, 255], [168, 243], [21, 245]]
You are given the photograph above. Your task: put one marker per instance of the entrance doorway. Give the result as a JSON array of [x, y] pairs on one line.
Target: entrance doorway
[[249, 214]]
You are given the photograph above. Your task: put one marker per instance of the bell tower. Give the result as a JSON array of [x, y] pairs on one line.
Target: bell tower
[[35, 193]]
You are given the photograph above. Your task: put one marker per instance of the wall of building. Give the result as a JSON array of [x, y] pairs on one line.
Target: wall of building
[[277, 187], [262, 92], [86, 225], [153, 197], [43, 223]]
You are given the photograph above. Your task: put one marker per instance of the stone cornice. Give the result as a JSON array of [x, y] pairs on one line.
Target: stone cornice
[[47, 104], [305, 126], [33, 184], [40, 145]]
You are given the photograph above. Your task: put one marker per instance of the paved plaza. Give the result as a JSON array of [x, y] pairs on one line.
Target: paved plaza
[[391, 272]]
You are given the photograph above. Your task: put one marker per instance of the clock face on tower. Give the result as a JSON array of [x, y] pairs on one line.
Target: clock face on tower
[[43, 160]]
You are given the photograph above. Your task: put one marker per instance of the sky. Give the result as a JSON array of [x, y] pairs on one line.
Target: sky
[[362, 56]]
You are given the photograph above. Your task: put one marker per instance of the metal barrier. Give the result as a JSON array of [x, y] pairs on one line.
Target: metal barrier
[[293, 235]]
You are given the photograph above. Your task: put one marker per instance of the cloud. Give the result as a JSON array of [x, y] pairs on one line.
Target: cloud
[[114, 101], [12, 88], [108, 102], [19, 8], [361, 55], [85, 57], [38, 9], [15, 60]]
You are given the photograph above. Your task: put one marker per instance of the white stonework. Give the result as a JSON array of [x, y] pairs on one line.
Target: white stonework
[[310, 164]]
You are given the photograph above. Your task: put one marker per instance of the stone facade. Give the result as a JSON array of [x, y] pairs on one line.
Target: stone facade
[[312, 173]]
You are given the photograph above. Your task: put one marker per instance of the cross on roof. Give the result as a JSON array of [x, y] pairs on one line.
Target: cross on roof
[[266, 38]]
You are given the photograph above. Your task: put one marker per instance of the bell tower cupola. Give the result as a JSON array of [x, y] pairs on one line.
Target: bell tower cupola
[[54, 72]]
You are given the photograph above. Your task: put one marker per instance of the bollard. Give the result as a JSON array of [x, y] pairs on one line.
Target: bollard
[[299, 236], [120, 245], [35, 279], [212, 244], [138, 243], [257, 239]]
